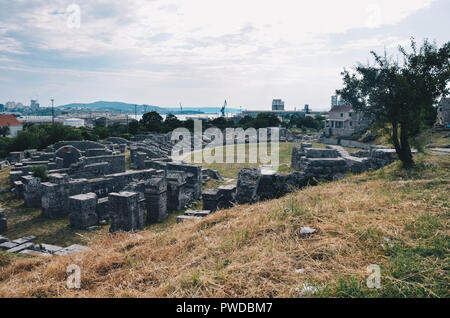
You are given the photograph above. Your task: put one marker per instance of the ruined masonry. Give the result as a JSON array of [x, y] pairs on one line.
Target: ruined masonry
[[25, 245], [88, 181]]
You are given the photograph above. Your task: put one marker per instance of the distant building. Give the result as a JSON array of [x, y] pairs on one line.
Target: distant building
[[10, 121], [102, 121], [10, 105], [277, 104], [73, 122], [306, 109], [34, 105], [343, 121], [39, 120], [443, 114], [337, 101], [334, 101], [2, 107]]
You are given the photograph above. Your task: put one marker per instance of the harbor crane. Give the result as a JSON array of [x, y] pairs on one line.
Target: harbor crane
[[223, 108]]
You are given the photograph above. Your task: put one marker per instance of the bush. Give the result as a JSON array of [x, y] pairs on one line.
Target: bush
[[40, 172]]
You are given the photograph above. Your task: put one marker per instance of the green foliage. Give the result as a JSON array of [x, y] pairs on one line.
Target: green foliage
[[152, 121], [4, 131], [40, 172], [401, 94], [133, 127], [171, 123], [304, 123]]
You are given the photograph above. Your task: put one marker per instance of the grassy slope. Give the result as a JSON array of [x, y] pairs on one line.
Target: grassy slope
[[256, 250]]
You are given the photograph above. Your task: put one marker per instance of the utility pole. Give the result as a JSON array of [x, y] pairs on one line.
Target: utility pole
[[53, 112]]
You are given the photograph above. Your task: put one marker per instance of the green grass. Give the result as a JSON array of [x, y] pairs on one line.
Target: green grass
[[420, 268], [231, 170]]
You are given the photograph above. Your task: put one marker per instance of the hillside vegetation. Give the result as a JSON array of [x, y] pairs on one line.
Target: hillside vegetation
[[391, 217]]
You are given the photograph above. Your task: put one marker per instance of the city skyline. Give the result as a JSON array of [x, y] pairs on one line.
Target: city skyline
[[201, 52]]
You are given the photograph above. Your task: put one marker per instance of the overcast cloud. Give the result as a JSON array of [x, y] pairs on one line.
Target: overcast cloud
[[200, 52]]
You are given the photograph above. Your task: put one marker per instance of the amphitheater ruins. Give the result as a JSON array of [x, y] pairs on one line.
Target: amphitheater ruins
[[89, 183]]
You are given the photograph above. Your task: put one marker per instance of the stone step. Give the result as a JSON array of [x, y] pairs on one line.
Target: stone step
[[182, 218]]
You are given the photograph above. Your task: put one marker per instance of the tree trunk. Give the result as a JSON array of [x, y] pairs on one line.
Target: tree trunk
[[402, 145], [407, 160]]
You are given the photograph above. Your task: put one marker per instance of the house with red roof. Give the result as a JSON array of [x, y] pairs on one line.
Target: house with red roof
[[344, 121], [14, 125]]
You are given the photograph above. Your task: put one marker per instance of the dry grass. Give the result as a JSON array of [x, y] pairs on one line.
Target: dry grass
[[255, 251]]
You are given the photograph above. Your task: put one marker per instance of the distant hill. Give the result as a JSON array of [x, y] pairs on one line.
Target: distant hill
[[125, 107], [102, 105]]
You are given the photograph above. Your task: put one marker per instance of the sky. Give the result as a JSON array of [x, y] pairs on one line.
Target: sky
[[200, 52]]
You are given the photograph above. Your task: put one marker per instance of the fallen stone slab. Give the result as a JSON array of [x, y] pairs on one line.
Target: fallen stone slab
[[183, 218], [72, 249], [200, 213], [7, 245], [24, 240], [48, 248], [3, 239], [34, 253], [20, 247]]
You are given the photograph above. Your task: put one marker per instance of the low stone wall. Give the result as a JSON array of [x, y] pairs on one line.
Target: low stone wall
[[345, 143]]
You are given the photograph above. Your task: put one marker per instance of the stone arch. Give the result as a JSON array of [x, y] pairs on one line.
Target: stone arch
[[69, 155]]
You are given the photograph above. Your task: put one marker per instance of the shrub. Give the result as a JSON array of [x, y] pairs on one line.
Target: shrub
[[40, 172]]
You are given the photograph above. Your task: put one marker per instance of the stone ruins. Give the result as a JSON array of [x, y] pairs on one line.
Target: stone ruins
[[88, 183], [311, 165]]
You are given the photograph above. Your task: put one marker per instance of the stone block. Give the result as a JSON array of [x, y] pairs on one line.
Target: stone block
[[247, 185], [18, 189], [321, 153], [103, 211], [126, 212], [156, 200], [58, 178], [176, 191], [32, 191], [83, 210], [211, 199], [54, 200]]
